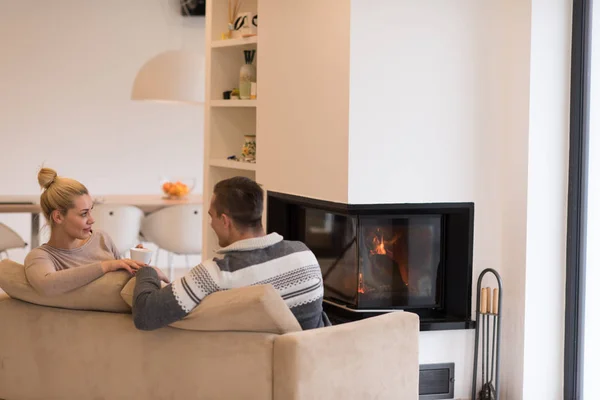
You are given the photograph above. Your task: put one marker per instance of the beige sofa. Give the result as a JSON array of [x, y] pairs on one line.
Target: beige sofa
[[52, 353]]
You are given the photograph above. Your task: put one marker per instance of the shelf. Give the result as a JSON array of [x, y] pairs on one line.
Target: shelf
[[216, 44], [233, 103], [217, 162]]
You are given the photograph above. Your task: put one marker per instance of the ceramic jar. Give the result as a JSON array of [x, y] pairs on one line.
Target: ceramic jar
[[249, 148]]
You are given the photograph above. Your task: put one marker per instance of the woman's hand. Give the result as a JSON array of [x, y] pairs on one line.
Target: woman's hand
[[127, 264]]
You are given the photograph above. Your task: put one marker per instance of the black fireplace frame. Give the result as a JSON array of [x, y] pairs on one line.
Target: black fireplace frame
[[455, 307]]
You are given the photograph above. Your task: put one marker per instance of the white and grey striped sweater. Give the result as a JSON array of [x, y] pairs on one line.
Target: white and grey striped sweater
[[289, 266]]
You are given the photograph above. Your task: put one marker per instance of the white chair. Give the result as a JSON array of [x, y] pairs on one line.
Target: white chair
[[9, 239], [176, 229], [121, 222]]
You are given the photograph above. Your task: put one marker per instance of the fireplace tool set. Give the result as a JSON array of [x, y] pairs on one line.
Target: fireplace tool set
[[489, 310]]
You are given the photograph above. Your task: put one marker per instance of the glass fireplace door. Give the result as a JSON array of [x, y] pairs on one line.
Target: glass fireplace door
[[399, 261]]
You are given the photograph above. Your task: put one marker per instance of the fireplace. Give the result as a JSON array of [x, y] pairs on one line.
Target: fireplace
[[381, 258]]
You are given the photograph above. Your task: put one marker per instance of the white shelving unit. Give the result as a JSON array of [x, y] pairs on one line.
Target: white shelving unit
[[226, 121], [217, 44], [233, 103], [245, 166]]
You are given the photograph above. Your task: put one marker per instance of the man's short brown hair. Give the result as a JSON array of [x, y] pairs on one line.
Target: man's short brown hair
[[241, 199]]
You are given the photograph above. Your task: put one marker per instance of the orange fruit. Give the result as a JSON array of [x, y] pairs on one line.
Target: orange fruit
[[175, 189]]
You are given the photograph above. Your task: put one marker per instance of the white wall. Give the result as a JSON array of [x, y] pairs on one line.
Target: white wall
[[428, 124], [459, 107], [514, 47], [416, 100], [66, 73], [547, 199]]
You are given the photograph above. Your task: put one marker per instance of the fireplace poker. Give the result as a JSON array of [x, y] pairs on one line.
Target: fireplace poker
[[495, 333], [488, 307], [483, 312], [487, 388], [488, 296]]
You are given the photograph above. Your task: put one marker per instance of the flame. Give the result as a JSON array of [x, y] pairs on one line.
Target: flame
[[361, 287], [379, 248], [379, 244]]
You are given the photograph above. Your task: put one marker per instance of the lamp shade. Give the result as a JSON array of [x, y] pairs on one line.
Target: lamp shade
[[173, 76]]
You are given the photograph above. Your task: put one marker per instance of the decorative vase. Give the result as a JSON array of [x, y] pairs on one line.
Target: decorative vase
[[247, 74], [249, 148], [245, 25]]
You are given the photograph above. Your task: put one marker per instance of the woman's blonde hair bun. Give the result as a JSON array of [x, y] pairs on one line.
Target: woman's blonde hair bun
[[46, 177]]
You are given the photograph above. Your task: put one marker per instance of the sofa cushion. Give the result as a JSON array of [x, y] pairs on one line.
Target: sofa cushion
[[257, 308], [103, 294]]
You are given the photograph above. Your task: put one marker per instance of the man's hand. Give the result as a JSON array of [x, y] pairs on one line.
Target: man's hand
[[161, 275]]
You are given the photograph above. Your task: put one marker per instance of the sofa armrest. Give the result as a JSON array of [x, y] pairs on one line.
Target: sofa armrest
[[372, 358]]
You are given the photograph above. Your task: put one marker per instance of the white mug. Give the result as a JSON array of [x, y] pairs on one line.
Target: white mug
[[142, 255]]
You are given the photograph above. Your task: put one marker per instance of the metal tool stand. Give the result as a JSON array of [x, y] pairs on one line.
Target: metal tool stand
[[489, 306]]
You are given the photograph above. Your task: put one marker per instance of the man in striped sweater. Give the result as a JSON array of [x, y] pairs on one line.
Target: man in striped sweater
[[250, 258]]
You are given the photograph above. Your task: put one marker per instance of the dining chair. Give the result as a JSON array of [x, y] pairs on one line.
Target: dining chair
[[121, 222], [176, 229], [9, 239]]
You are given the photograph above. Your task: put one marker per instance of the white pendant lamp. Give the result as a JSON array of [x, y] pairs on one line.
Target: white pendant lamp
[[171, 76]]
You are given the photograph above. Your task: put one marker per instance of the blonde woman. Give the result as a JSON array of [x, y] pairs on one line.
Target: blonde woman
[[75, 255]]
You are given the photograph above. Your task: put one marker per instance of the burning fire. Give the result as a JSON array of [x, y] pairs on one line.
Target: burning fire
[[392, 249], [380, 245]]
